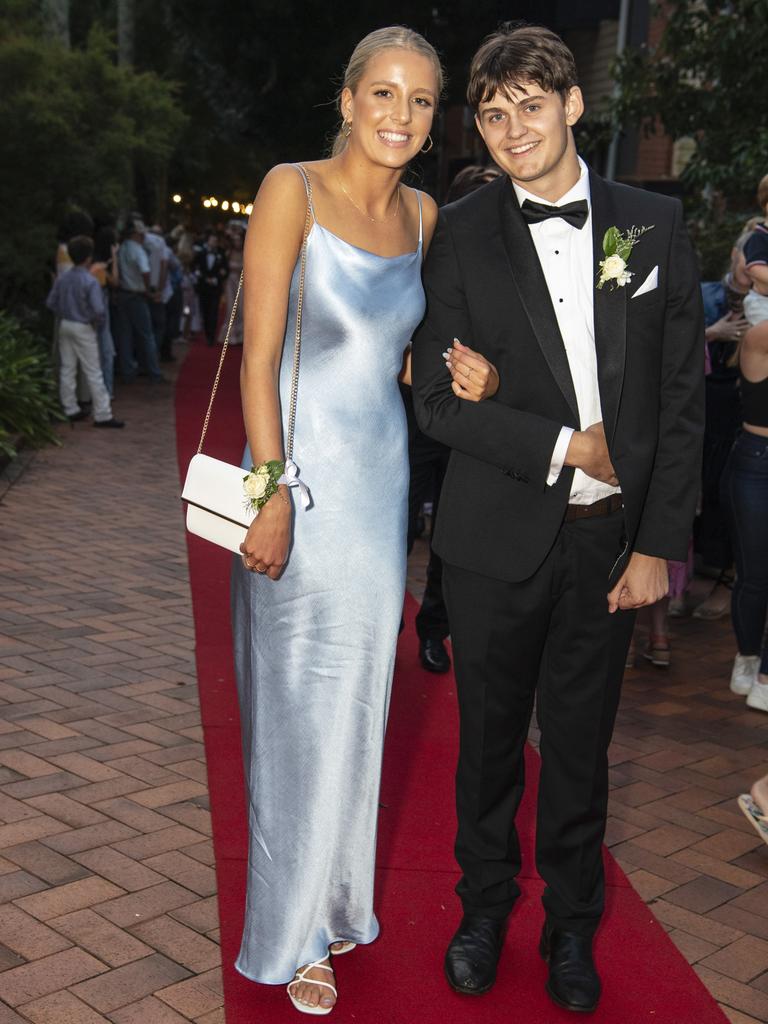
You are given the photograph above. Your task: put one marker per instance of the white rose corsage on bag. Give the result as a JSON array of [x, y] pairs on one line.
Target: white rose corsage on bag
[[617, 247]]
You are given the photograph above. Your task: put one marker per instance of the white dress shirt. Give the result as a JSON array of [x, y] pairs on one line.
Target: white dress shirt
[[566, 258]]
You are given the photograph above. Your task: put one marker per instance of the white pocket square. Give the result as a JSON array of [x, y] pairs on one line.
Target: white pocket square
[[648, 284]]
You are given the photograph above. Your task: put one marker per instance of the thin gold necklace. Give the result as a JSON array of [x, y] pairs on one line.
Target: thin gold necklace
[[360, 210]]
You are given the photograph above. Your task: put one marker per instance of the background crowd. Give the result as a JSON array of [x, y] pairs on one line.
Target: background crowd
[[154, 289]]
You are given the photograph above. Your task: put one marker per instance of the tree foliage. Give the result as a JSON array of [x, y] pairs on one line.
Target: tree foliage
[[705, 79], [76, 131]]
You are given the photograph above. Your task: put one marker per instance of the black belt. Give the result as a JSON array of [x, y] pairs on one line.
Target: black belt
[[603, 507]]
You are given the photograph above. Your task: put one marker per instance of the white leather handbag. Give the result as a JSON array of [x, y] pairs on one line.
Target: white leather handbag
[[217, 506]]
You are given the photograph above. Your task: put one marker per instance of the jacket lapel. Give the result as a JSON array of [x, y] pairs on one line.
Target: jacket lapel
[[610, 309], [534, 295]]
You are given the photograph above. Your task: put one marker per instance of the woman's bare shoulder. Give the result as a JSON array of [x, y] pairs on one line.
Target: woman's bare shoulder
[[283, 181]]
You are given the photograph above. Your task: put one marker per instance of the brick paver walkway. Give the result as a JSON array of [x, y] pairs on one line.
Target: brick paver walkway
[[107, 887], [106, 876]]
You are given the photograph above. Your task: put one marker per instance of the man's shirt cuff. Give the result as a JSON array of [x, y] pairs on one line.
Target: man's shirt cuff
[[558, 455]]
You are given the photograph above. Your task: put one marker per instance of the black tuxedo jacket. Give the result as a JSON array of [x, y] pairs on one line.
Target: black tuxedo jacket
[[214, 278], [485, 286]]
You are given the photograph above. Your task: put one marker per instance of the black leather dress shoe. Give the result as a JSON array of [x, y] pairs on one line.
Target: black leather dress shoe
[[573, 982], [472, 957], [433, 655]]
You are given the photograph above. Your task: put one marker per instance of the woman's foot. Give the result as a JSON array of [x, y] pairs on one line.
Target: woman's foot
[[313, 990], [717, 604], [340, 948], [759, 794], [657, 650]]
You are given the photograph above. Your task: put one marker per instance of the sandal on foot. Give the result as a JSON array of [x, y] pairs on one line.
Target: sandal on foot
[[754, 816], [301, 976], [344, 947]]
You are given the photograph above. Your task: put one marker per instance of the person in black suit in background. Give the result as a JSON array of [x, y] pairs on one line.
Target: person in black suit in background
[[211, 270], [428, 461], [565, 493]]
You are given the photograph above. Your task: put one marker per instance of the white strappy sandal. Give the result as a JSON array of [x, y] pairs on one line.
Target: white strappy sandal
[[344, 947], [317, 1011]]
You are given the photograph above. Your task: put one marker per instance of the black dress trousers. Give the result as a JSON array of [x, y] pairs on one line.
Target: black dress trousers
[[551, 638]]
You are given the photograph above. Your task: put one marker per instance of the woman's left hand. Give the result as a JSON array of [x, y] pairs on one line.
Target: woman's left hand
[[474, 378]]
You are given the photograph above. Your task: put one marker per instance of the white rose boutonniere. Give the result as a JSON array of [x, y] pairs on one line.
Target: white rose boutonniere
[[618, 248]]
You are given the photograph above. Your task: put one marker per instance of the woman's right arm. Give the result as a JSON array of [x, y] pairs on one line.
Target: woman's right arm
[[272, 244]]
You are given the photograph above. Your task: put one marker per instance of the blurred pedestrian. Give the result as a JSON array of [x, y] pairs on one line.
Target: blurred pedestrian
[[236, 235], [160, 288], [745, 480], [77, 222], [134, 334], [76, 298], [104, 269], [174, 305], [211, 271], [725, 324]]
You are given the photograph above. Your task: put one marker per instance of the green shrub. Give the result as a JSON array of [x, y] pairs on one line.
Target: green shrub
[[28, 399]]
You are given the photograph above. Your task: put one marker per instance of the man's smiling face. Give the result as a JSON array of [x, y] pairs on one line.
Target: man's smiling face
[[526, 130]]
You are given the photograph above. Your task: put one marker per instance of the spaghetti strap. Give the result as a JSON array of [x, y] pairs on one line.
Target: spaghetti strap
[[308, 186], [421, 219]]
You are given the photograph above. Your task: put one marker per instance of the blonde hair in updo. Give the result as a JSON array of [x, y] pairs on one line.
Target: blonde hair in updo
[[396, 37]]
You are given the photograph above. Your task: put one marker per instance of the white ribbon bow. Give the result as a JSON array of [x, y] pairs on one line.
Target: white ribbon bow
[[291, 479]]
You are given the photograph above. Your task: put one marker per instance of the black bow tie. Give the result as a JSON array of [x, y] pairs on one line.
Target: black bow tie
[[574, 213]]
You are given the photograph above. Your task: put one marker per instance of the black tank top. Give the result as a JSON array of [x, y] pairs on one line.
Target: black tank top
[[754, 401]]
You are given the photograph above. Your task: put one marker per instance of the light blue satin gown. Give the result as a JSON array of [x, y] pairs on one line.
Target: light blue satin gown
[[315, 650]]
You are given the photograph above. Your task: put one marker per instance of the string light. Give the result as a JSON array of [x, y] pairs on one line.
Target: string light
[[211, 202]]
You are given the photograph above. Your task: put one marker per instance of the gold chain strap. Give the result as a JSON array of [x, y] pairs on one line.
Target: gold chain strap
[[297, 340]]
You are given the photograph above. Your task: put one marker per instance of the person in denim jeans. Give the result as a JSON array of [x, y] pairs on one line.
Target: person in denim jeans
[[134, 324], [745, 490]]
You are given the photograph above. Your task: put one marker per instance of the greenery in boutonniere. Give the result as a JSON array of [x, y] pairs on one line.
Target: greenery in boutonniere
[[618, 247]]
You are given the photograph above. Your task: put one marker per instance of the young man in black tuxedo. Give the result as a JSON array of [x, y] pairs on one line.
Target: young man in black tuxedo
[[211, 268], [565, 493]]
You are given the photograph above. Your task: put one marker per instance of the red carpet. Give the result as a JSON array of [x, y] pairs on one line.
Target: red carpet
[[398, 979]]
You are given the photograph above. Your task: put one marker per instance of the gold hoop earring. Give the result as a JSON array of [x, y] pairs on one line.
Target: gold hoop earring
[[346, 128], [431, 144]]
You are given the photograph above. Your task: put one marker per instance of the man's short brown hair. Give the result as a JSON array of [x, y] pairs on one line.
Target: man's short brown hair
[[518, 53], [762, 193], [80, 249]]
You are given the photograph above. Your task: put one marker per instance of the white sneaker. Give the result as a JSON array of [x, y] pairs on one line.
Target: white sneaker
[[758, 697], [744, 674]]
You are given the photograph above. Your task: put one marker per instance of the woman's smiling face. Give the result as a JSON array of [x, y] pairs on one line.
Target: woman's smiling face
[[392, 109]]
